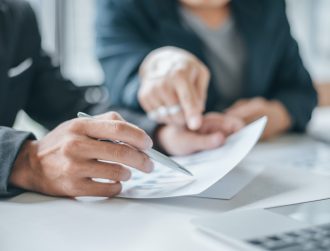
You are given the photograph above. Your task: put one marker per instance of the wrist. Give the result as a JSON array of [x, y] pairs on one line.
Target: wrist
[[284, 118], [21, 174]]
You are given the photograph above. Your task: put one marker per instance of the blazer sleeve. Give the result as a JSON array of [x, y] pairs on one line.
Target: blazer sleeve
[[294, 86], [121, 48], [11, 142]]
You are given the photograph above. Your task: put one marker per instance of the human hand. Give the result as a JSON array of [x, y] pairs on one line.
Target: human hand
[[250, 110], [215, 129], [64, 162], [219, 122], [174, 87]]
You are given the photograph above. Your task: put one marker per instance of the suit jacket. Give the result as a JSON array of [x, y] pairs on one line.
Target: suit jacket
[[30, 82], [128, 30]]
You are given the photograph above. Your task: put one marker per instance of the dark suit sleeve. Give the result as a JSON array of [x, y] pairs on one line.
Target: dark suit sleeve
[[121, 47], [11, 142], [294, 87]]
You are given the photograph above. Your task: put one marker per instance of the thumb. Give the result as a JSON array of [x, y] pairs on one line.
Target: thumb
[[200, 142]]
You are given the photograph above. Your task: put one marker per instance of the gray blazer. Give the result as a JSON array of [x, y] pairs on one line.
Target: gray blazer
[[129, 30]]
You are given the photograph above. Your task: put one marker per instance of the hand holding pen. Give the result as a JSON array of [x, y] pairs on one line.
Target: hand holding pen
[[152, 153], [66, 160]]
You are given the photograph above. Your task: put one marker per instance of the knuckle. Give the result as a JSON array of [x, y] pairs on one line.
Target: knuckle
[[260, 101], [119, 152], [181, 71], [114, 116], [117, 127], [71, 145], [75, 125], [193, 64], [116, 173]]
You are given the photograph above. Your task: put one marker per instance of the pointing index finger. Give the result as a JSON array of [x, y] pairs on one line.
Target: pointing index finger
[[192, 107]]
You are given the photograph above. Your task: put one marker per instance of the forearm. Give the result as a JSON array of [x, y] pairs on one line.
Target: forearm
[[11, 143]]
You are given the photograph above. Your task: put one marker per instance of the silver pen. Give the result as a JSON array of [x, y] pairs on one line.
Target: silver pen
[[152, 153]]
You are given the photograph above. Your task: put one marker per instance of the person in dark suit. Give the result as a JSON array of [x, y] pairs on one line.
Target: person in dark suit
[[179, 60], [64, 162]]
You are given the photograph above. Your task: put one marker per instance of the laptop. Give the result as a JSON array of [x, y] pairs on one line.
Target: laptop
[[289, 228]]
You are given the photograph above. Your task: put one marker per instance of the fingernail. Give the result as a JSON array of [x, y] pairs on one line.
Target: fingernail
[[194, 123], [217, 140], [149, 142], [127, 175], [149, 166]]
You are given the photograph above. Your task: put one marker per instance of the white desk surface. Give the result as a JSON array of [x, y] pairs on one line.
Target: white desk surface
[[33, 222]]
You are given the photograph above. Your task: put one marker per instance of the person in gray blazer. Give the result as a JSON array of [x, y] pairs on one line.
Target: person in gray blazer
[[64, 162], [183, 62]]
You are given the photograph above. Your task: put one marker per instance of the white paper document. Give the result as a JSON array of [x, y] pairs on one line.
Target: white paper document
[[207, 167], [234, 182]]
